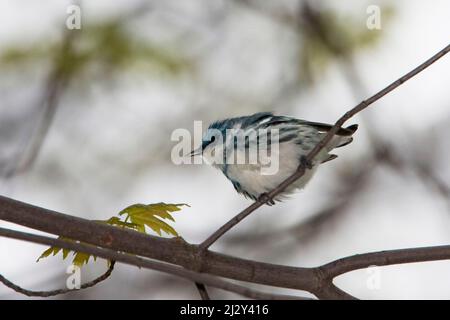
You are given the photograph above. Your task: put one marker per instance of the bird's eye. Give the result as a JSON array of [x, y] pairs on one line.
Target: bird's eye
[[213, 138]]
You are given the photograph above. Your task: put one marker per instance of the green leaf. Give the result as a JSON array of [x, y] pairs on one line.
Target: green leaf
[[48, 252], [140, 215], [153, 223], [149, 215], [80, 258], [65, 253]]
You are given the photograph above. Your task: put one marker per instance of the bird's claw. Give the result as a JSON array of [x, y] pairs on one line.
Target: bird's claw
[[264, 198], [306, 163]]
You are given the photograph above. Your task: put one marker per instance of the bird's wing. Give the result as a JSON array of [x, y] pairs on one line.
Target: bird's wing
[[325, 127], [271, 121]]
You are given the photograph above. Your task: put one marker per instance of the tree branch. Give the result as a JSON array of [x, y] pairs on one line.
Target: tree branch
[[144, 263], [386, 258], [109, 242], [170, 250]]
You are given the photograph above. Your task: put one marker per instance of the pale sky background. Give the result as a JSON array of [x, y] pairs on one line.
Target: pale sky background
[[109, 145]]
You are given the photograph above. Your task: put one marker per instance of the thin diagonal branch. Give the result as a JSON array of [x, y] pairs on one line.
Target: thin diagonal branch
[[301, 169]]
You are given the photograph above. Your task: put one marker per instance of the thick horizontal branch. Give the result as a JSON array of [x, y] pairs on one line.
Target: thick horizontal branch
[[108, 242], [173, 250], [139, 262]]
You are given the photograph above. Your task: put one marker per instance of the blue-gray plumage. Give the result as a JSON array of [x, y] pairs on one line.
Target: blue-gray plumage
[[295, 138]]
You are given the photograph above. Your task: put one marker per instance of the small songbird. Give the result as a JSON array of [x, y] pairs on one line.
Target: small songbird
[[278, 141]]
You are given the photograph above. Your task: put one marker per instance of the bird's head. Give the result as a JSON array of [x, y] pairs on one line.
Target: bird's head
[[213, 144]]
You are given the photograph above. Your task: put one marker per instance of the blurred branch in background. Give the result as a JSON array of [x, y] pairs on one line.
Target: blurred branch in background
[[57, 82], [96, 51]]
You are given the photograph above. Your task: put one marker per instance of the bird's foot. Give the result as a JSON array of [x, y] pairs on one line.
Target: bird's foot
[[264, 198], [307, 164]]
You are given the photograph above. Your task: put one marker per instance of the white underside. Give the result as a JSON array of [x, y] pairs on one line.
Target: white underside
[[255, 183]]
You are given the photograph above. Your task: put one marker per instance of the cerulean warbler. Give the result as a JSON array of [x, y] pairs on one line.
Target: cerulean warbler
[[258, 152]]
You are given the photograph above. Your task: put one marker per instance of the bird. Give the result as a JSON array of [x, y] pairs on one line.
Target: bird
[[293, 140]]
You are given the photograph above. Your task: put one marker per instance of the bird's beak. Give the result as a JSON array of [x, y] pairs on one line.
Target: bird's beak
[[195, 152]]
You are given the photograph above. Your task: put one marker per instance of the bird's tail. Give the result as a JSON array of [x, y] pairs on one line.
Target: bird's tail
[[346, 137], [350, 130], [344, 141]]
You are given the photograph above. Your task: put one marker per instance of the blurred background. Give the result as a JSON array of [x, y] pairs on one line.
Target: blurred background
[[86, 118]]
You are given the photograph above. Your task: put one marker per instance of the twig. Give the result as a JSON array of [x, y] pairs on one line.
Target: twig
[[202, 291], [50, 293], [301, 170]]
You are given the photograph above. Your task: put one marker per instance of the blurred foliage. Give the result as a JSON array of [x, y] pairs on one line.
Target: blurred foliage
[[103, 47], [135, 217], [327, 35]]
